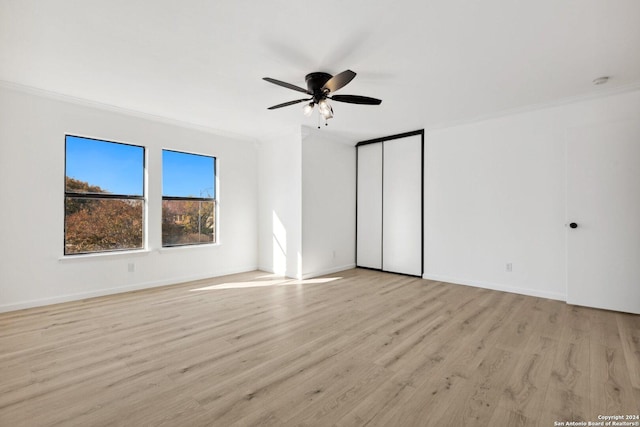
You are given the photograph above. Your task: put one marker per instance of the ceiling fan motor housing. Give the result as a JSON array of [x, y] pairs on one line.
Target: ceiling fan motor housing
[[315, 82]]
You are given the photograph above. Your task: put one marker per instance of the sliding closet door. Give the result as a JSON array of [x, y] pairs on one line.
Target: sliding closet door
[[402, 205], [369, 200]]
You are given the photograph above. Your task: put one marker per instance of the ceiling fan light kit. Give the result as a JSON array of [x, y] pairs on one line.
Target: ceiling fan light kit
[[325, 109], [308, 109], [321, 87]]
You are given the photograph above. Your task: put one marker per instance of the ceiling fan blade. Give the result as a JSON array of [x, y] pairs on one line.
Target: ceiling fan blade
[[339, 80], [356, 99], [285, 84], [286, 104]]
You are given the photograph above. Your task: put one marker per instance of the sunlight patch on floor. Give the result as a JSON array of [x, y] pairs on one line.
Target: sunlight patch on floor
[[272, 276], [265, 283]]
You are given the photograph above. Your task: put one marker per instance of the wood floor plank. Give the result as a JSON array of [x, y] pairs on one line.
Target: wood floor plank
[[354, 348], [525, 391], [340, 398], [374, 408], [611, 390], [476, 403], [629, 329], [505, 417], [568, 392]]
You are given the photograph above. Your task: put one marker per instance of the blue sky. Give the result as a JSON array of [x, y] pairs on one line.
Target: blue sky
[[116, 168], [119, 168], [186, 175]]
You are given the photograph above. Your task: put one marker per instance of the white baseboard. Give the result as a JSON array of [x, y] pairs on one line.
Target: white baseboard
[[138, 286], [328, 271], [266, 269], [117, 290], [312, 274], [286, 274], [493, 286]]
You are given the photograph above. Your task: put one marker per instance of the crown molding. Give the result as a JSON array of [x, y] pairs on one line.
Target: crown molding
[[603, 93], [83, 102]]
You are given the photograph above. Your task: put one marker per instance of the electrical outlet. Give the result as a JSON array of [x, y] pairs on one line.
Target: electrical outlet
[[131, 267], [509, 267]]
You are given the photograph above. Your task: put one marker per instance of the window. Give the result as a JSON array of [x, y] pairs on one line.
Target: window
[[104, 196], [188, 199]]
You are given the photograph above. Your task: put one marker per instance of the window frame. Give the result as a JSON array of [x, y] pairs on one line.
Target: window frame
[[105, 196], [213, 200]]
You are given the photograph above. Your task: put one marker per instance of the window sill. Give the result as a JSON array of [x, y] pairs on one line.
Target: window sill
[[107, 255], [135, 253], [169, 249]]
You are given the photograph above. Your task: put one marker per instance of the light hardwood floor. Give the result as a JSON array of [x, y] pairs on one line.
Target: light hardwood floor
[[355, 348]]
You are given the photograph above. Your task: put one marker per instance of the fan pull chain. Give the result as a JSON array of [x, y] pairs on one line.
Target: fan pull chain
[[326, 123]]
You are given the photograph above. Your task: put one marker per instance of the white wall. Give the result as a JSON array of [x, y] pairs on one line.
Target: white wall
[[33, 270], [495, 194], [280, 203], [328, 203]]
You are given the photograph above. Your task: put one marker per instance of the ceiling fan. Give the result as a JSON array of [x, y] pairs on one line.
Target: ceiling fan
[[321, 87]]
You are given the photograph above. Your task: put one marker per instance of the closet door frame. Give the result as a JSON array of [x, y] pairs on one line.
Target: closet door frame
[[381, 141]]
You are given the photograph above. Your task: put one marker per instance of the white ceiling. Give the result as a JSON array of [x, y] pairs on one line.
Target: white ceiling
[[432, 63]]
